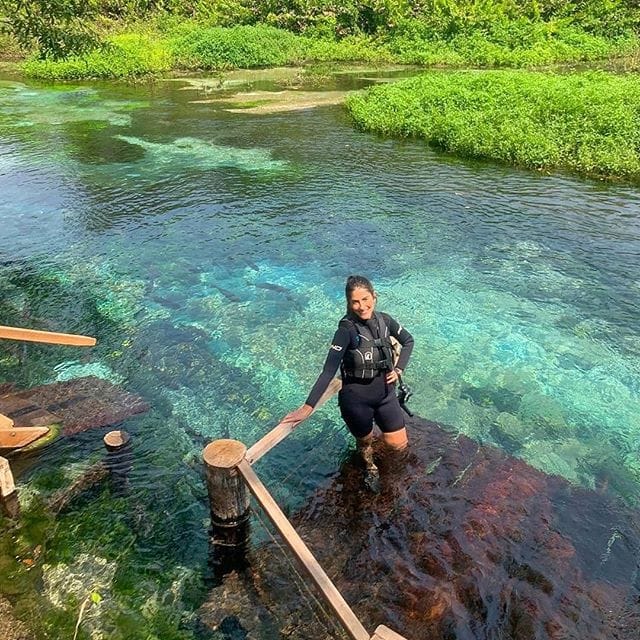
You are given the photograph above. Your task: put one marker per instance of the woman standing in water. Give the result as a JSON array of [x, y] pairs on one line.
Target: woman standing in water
[[361, 347]]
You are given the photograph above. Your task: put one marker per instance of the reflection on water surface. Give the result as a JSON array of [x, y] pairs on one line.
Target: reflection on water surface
[[211, 271]]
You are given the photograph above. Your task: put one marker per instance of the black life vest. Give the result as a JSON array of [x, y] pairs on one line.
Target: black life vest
[[372, 355]]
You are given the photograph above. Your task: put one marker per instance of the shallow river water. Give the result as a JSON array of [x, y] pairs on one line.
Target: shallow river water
[[207, 250]]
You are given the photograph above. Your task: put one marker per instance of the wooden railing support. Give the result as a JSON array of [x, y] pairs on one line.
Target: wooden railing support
[[119, 459], [384, 633], [229, 474], [8, 493], [228, 503]]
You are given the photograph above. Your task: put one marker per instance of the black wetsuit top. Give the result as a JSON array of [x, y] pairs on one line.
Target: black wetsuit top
[[347, 338]]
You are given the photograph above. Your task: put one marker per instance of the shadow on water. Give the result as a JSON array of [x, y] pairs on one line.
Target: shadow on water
[[463, 542]]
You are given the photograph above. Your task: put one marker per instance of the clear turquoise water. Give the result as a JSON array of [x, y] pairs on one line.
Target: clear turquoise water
[[161, 225]]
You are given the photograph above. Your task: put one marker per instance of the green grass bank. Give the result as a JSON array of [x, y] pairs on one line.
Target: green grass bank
[[587, 123], [135, 51]]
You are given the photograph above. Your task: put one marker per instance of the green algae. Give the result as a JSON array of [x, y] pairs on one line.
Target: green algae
[[28, 106], [199, 154]]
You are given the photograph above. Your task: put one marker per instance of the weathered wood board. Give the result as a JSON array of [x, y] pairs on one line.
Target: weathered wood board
[[15, 438]]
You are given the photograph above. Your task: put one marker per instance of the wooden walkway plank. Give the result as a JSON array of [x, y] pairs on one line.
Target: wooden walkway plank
[[284, 428], [345, 615], [19, 437], [48, 337]]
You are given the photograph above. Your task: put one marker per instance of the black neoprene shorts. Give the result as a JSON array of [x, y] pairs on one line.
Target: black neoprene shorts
[[363, 402]]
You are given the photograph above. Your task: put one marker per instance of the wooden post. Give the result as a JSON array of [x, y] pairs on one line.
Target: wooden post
[[8, 492], [119, 459], [229, 504]]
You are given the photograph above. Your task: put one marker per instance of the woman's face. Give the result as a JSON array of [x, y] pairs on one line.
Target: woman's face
[[362, 303]]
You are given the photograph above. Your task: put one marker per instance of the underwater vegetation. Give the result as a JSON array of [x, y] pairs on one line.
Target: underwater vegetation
[[26, 106], [203, 155]]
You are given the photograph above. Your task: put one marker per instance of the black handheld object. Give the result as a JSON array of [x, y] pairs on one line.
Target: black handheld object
[[404, 393]]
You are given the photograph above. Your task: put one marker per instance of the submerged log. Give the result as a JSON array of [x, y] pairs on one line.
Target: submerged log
[[61, 499], [116, 466]]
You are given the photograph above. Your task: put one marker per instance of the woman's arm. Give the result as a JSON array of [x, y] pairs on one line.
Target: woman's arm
[[339, 344], [404, 338]]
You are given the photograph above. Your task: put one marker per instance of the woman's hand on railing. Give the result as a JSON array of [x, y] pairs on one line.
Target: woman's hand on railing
[[300, 414]]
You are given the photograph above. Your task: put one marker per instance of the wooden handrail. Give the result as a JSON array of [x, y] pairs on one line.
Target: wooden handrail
[[384, 633], [48, 337], [347, 618], [284, 428]]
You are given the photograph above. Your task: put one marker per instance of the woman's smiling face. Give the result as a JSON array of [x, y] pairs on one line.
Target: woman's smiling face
[[362, 303]]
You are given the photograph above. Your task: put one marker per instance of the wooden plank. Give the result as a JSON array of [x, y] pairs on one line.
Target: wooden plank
[[49, 337], [7, 486], [5, 422], [284, 428], [19, 437], [334, 599], [25, 413], [384, 633]]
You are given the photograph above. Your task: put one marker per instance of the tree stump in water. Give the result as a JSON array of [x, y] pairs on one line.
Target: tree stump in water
[[228, 502]]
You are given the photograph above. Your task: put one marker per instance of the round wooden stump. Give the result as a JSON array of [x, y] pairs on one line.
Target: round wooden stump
[[119, 459], [228, 494], [115, 440]]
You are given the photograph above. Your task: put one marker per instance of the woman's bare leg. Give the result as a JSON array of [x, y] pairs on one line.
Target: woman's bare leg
[[397, 440], [365, 449]]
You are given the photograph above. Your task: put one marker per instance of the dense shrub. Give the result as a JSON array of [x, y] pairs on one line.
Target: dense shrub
[[124, 56], [243, 46], [588, 123], [519, 42]]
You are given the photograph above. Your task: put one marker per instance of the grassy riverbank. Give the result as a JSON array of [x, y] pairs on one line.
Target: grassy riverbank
[[135, 50], [586, 123]]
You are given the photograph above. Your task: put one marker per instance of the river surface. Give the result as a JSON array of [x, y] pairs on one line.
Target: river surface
[[207, 250]]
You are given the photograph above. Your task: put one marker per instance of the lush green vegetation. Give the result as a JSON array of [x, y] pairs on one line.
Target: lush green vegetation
[[529, 119], [125, 56], [585, 122], [128, 38]]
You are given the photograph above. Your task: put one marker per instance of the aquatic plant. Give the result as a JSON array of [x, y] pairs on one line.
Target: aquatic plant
[[582, 122], [204, 155]]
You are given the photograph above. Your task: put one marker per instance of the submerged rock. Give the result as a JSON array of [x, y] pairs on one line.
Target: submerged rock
[[87, 580]]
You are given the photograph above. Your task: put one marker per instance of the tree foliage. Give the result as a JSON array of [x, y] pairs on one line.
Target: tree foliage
[[58, 28]]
